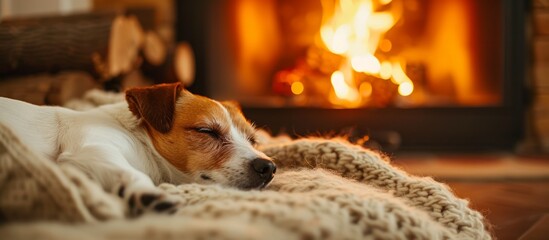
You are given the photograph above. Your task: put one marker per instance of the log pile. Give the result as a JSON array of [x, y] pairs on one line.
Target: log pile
[[52, 44], [108, 46]]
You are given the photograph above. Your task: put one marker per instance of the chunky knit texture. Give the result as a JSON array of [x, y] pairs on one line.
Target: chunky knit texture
[[327, 189]]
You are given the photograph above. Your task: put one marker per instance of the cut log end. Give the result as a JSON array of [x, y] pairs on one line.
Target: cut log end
[[184, 63], [126, 39], [154, 49]]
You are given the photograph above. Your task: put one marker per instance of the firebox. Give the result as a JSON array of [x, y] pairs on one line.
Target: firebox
[[409, 74]]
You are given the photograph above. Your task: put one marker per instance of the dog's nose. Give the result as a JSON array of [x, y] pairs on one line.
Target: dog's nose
[[264, 167]]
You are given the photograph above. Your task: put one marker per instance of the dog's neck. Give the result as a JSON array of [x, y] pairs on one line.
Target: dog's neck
[[160, 169]]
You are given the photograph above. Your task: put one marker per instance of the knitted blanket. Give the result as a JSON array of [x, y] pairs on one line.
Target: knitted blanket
[[326, 189]]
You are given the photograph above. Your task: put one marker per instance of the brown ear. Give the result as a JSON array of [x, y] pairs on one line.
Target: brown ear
[[155, 104]]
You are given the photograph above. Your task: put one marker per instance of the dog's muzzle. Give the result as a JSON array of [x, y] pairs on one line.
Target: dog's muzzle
[[264, 169]]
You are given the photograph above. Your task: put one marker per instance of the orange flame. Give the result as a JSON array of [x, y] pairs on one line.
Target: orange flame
[[353, 29], [342, 89], [405, 85]]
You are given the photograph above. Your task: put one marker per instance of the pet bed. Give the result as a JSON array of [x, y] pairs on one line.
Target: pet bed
[[325, 189]]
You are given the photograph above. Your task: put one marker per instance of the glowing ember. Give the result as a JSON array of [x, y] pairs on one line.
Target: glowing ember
[[365, 89], [386, 45], [406, 88], [297, 88]]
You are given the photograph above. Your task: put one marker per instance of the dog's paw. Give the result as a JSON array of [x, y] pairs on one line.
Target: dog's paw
[[140, 202], [146, 200]]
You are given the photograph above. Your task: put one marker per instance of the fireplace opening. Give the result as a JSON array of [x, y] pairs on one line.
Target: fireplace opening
[[415, 74], [366, 53]]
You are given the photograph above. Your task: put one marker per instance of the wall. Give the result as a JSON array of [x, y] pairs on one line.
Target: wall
[[22, 8], [540, 72]]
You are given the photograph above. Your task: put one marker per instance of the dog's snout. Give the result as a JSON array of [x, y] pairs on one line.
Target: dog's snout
[[265, 168]]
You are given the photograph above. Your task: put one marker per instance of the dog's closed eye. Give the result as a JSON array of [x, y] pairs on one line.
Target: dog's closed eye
[[209, 131], [252, 140]]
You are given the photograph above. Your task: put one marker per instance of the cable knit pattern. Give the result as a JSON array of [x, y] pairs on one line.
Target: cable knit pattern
[[326, 189], [371, 168]]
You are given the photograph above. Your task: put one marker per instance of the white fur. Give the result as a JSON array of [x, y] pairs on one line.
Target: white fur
[[242, 157], [110, 144], [244, 154], [106, 142]]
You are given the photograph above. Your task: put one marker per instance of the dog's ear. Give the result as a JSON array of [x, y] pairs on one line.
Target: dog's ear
[[155, 104]]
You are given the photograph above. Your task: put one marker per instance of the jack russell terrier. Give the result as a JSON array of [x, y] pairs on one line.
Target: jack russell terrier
[[160, 134]]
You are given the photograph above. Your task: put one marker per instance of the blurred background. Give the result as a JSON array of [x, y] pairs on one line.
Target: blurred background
[[453, 89]]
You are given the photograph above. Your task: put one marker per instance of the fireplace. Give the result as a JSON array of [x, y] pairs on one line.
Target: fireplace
[[410, 75]]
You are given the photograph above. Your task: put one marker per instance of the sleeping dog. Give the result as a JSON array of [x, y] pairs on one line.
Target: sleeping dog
[[160, 134]]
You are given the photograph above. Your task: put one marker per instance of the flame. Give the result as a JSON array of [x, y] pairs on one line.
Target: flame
[[360, 22], [381, 21], [354, 29], [339, 39], [405, 84], [386, 70], [342, 89], [398, 74], [405, 88], [366, 64]]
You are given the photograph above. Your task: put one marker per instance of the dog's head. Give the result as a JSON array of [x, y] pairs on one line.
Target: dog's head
[[208, 141]]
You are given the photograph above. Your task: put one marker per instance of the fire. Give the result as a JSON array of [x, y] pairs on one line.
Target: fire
[[354, 29], [342, 89], [337, 41], [405, 84], [297, 88], [386, 70], [406, 88], [366, 63], [398, 74], [365, 89]]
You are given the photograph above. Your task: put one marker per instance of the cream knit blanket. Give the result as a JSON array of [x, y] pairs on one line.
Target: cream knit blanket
[[327, 189]]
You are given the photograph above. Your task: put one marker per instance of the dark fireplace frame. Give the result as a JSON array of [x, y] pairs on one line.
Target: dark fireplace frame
[[431, 129]]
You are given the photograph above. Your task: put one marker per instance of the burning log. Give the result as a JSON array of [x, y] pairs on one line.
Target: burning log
[[105, 44]]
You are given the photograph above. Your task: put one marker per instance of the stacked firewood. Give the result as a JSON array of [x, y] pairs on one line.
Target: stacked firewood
[[111, 48]]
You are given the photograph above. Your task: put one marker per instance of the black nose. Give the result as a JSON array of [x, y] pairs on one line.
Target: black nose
[[264, 167]]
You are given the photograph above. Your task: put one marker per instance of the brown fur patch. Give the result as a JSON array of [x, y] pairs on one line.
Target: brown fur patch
[[187, 149], [155, 105], [172, 117]]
